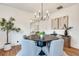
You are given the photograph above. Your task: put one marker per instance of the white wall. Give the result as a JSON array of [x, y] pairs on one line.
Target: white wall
[[46, 26], [22, 21], [73, 13]]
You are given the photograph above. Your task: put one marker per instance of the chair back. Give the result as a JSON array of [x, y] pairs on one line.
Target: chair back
[[56, 47], [27, 48]]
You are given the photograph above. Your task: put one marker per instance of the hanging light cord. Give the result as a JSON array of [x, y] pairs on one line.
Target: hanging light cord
[[41, 11]]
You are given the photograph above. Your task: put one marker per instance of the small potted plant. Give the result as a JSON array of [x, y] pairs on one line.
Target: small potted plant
[[8, 26], [41, 34]]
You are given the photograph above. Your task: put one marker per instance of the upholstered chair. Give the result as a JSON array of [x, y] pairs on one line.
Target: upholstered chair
[[56, 48], [28, 48]]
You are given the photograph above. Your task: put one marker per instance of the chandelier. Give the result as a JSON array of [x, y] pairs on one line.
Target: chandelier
[[40, 15]]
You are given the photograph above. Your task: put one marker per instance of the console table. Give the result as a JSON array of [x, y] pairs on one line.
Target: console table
[[67, 41], [12, 52]]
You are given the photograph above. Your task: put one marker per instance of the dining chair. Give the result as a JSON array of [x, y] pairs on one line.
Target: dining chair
[[56, 48], [28, 48]]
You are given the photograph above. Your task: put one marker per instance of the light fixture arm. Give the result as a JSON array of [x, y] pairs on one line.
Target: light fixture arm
[[40, 15]]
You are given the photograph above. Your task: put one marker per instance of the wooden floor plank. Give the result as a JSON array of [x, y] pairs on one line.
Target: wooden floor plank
[[12, 52], [72, 51]]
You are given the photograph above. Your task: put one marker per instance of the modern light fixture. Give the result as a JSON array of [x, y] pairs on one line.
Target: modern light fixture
[[40, 15], [59, 7]]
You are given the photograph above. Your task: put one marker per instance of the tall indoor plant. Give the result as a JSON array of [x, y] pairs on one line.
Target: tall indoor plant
[[66, 29], [8, 26]]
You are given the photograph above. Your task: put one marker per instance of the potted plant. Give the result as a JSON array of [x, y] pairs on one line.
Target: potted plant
[[8, 26], [66, 30], [41, 34]]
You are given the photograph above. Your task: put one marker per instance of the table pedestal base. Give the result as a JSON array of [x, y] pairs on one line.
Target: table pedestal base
[[42, 53]]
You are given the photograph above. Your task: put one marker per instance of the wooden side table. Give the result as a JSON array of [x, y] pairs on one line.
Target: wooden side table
[[67, 41]]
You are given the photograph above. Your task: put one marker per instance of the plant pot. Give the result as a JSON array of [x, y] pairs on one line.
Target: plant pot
[[15, 43], [7, 46]]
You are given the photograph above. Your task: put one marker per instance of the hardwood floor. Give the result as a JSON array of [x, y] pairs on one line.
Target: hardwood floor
[[16, 49], [72, 51], [12, 52]]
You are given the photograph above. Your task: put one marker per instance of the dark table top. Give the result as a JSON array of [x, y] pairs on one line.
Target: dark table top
[[46, 38]]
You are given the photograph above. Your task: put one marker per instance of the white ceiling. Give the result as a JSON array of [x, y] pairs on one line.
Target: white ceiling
[[34, 7]]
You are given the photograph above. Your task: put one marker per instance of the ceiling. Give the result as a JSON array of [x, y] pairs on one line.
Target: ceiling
[[34, 7]]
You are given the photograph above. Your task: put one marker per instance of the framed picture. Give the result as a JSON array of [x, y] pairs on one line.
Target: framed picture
[[61, 23], [55, 23], [63, 20], [58, 23]]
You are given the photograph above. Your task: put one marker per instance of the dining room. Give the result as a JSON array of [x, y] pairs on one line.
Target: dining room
[[39, 29]]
